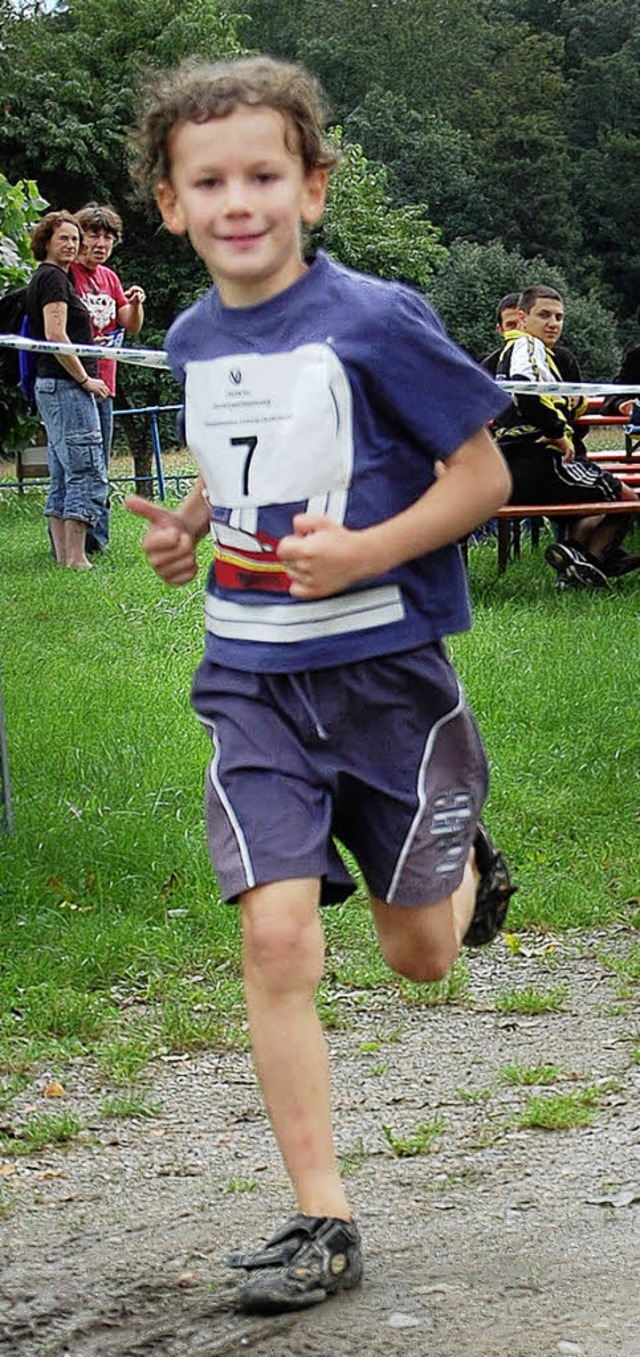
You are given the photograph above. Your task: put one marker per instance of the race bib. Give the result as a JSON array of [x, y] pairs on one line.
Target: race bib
[[271, 429]]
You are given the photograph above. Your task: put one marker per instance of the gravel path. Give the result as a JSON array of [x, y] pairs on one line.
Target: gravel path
[[498, 1242]]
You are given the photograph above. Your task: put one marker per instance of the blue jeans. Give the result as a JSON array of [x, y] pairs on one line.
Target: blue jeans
[[78, 487], [98, 538]]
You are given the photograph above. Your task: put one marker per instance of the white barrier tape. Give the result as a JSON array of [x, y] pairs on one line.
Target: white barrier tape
[[157, 358], [570, 389], [146, 358]]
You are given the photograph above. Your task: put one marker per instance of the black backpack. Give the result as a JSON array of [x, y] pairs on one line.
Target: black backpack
[[13, 309]]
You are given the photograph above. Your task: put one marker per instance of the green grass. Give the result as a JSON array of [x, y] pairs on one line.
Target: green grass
[[112, 935], [239, 1185], [38, 1131], [560, 1111], [525, 1075], [6, 1203], [131, 1104], [436, 993], [10, 1088], [531, 1000], [353, 1159], [418, 1141]]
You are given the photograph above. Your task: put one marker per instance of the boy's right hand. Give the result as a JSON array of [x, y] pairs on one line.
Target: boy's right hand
[[167, 542]]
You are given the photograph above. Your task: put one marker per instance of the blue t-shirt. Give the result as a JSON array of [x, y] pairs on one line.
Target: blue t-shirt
[[338, 396]]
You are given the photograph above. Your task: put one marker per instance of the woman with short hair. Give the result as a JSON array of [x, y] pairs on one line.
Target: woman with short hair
[[66, 391]]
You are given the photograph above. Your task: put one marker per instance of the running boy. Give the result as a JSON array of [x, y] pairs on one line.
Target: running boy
[[318, 401]]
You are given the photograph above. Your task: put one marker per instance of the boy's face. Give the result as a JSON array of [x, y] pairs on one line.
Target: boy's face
[[240, 194], [545, 320], [96, 247]]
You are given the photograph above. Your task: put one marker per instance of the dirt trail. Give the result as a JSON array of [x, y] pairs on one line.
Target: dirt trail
[[498, 1243]]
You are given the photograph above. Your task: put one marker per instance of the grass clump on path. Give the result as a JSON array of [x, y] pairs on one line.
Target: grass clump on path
[[560, 1111]]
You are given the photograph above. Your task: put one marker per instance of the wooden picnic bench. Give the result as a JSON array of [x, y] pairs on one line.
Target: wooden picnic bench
[[593, 420], [31, 462], [511, 516], [626, 466]]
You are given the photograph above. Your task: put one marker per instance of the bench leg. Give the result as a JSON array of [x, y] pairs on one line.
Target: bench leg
[[504, 543]]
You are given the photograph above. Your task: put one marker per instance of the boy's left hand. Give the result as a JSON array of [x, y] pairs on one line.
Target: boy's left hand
[[320, 556]]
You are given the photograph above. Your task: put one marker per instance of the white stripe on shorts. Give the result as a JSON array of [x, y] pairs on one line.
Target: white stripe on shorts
[[422, 795], [243, 847]]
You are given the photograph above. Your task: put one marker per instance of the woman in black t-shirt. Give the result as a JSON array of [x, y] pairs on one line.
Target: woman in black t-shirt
[[66, 391]]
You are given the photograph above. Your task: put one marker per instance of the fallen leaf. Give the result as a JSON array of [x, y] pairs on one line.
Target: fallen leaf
[[50, 1173], [54, 1090], [7, 1169], [186, 1279]]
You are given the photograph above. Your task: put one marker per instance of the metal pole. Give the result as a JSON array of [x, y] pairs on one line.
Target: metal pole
[[157, 452], [6, 812]]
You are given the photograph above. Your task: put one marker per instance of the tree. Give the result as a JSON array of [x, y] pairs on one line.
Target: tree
[[71, 77], [21, 205], [363, 230], [427, 159]]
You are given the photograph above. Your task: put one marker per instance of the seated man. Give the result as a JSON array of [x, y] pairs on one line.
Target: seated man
[[507, 318], [537, 438]]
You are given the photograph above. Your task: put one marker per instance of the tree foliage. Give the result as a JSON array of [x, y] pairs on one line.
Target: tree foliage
[[363, 229], [21, 205]]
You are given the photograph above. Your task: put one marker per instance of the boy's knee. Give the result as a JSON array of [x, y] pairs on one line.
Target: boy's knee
[[420, 965], [284, 950], [419, 944]]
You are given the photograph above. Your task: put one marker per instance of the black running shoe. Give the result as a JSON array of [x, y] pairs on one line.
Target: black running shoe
[[493, 893], [309, 1259], [577, 565]]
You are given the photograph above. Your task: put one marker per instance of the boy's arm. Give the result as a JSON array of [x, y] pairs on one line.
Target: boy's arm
[[323, 558], [172, 536]]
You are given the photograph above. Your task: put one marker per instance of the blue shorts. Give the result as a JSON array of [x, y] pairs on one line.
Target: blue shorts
[[383, 755]]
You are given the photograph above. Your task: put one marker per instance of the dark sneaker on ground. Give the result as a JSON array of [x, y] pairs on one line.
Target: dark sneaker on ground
[[309, 1259], [576, 565], [493, 893], [617, 562]]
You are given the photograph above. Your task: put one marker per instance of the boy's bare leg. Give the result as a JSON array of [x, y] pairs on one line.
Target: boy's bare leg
[[422, 943], [283, 950]]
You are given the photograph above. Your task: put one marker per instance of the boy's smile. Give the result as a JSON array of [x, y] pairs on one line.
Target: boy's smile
[[241, 194]]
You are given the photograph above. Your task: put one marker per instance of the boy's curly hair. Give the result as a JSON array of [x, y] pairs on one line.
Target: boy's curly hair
[[196, 92]]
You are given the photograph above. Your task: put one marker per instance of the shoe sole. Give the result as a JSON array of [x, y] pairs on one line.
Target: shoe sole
[[260, 1297], [587, 575], [569, 564]]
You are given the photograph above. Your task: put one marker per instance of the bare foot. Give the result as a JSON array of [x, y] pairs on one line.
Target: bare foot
[[79, 565]]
